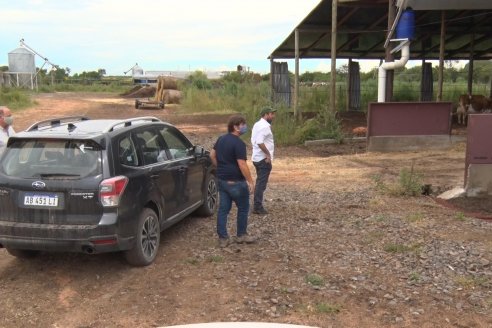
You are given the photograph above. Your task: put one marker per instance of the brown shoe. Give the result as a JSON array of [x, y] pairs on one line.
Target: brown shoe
[[224, 242], [247, 239]]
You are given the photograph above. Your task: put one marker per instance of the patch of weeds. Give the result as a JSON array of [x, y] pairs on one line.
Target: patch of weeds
[[414, 277], [380, 218], [415, 217], [401, 248], [470, 282], [460, 216], [379, 183], [215, 259], [488, 303], [410, 182], [192, 261], [327, 308], [315, 279], [373, 236]]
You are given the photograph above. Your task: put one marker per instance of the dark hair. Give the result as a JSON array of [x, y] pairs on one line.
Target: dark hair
[[234, 121]]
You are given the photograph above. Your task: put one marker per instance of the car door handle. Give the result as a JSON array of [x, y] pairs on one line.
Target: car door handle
[[154, 176]]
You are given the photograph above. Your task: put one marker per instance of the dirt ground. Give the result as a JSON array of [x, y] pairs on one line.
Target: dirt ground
[[336, 250]]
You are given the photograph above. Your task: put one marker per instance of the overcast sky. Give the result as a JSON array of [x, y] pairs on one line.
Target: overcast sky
[[186, 35]]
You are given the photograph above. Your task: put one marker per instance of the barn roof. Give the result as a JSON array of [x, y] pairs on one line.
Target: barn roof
[[363, 24]]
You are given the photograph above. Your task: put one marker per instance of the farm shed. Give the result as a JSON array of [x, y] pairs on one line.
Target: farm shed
[[358, 29]]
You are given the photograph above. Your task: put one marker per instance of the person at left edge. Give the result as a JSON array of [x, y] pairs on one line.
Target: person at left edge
[[6, 129]]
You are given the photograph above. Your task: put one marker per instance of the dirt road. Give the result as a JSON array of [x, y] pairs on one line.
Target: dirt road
[[335, 250]]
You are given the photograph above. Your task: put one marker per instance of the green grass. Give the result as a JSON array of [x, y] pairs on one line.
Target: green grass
[[414, 217], [401, 248], [15, 99], [460, 216], [247, 96], [409, 183], [414, 277], [327, 308], [192, 261], [470, 282], [315, 279], [215, 259]]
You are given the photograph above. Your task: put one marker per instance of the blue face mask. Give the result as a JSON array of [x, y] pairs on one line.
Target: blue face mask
[[243, 129]]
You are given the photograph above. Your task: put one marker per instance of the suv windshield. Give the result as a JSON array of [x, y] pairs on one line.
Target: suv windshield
[[56, 159]]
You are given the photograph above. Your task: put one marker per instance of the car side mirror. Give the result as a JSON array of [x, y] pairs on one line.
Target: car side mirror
[[199, 151]]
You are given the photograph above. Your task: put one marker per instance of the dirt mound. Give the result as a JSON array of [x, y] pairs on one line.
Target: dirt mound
[[141, 92], [132, 90]]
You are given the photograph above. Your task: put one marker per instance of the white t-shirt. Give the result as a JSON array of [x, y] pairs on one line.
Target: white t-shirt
[[261, 134], [4, 137]]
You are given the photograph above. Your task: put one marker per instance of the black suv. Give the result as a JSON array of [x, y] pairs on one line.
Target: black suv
[[80, 185]]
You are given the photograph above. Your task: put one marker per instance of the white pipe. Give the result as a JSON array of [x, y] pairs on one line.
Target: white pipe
[[405, 56]]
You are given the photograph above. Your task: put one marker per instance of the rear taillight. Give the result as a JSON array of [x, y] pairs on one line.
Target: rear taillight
[[110, 191]]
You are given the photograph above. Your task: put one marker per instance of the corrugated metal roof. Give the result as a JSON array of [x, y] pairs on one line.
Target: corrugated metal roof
[[363, 24]]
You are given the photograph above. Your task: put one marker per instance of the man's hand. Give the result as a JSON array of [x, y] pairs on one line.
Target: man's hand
[[251, 187]]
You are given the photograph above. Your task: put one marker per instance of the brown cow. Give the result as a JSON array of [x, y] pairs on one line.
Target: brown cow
[[472, 104]]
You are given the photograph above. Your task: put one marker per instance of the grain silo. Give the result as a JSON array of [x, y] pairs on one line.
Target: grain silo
[[137, 70], [22, 68]]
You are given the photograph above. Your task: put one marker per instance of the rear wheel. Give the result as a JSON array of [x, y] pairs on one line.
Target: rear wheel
[[22, 253], [210, 197], [147, 239]]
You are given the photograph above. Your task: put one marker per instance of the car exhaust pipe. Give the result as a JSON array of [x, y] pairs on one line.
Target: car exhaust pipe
[[88, 249]]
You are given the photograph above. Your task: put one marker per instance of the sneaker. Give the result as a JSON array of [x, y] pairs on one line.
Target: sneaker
[[260, 211], [224, 242], [247, 239]]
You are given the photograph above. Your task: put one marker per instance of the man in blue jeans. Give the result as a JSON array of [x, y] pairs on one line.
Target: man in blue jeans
[[263, 147], [235, 181]]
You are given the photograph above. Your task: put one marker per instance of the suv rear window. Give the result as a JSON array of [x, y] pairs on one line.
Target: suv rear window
[[52, 159]]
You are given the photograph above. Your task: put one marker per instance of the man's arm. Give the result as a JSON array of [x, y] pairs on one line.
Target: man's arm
[[246, 173], [264, 149], [213, 157]]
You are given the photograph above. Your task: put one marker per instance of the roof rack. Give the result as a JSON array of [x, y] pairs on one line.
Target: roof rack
[[130, 121], [56, 122]]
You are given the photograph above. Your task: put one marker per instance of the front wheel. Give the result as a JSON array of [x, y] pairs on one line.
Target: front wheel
[[210, 197], [147, 239]]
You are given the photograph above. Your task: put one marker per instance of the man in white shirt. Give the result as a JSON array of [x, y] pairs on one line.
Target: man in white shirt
[[6, 129], [263, 147]]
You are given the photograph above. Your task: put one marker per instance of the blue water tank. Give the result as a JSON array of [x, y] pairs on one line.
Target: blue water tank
[[406, 25]]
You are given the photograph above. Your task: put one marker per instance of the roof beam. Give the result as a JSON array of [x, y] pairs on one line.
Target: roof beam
[[357, 37], [322, 36]]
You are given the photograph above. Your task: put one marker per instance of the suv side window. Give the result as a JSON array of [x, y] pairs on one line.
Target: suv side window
[[127, 153], [176, 142], [147, 142]]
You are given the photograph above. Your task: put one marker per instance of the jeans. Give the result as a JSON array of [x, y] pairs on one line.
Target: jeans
[[263, 170], [237, 192]]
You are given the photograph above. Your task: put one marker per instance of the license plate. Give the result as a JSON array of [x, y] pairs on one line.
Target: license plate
[[41, 200]]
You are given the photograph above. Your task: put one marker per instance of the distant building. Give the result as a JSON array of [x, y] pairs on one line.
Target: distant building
[[140, 76]]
